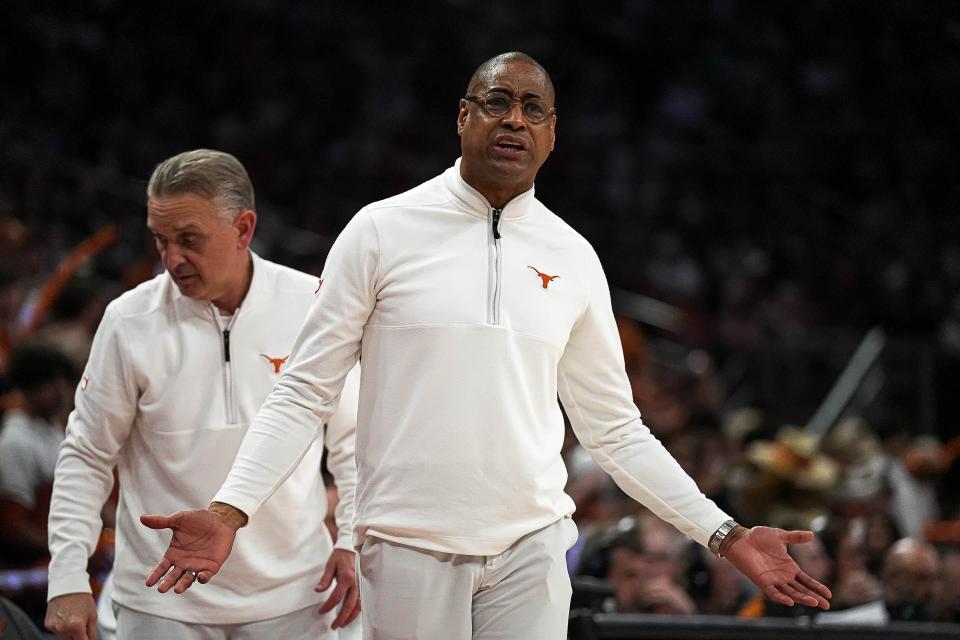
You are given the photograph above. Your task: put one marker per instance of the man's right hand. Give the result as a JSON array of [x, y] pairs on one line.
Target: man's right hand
[[72, 617], [202, 541]]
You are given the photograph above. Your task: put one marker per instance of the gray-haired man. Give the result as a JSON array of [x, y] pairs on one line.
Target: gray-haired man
[[177, 371]]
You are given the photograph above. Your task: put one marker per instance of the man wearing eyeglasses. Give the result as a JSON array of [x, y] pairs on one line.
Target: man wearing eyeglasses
[[473, 307]]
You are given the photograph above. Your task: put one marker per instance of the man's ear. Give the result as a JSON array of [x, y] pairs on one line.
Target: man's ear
[[462, 117], [245, 223]]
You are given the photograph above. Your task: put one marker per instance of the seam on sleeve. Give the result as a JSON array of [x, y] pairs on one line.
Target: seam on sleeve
[[376, 232], [595, 447], [122, 348]]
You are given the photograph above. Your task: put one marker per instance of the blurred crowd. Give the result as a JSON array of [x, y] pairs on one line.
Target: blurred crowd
[[776, 173], [885, 509]]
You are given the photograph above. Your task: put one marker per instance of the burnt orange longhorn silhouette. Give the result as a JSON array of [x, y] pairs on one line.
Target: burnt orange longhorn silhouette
[[546, 279], [276, 362]]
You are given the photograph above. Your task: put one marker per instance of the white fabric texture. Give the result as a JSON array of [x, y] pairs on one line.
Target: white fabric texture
[[465, 349], [318, 626], [159, 399], [106, 617], [524, 592], [303, 624]]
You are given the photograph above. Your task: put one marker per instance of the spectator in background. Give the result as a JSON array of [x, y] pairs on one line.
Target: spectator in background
[[790, 481], [641, 562], [29, 440], [948, 605], [645, 567], [895, 490], [717, 588], [856, 582], [911, 587], [73, 320]]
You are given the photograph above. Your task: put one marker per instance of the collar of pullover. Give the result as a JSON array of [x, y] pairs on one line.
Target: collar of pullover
[[474, 202], [254, 293]]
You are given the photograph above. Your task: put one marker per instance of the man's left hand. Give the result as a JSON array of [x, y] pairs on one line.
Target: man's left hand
[[341, 567], [761, 554]]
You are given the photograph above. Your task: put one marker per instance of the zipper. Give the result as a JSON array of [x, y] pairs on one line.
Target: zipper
[[495, 262], [229, 388]]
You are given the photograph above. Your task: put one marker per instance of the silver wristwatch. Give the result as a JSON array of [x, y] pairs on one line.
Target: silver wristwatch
[[720, 535]]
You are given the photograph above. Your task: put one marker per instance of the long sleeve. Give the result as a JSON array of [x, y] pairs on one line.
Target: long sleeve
[[308, 391], [595, 391], [340, 440], [105, 405]]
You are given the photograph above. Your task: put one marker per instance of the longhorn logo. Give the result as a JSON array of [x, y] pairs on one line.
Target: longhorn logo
[[544, 277], [318, 287], [276, 362]]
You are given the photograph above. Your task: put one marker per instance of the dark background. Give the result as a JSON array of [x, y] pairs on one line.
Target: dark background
[[774, 170]]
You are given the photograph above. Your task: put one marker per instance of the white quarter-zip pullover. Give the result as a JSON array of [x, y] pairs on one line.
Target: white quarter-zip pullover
[[470, 322], [167, 396]]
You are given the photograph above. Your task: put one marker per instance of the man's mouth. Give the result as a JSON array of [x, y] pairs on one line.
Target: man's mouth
[[509, 147]]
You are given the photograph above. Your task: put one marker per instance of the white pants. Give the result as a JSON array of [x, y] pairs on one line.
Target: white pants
[[305, 624], [416, 594], [106, 617]]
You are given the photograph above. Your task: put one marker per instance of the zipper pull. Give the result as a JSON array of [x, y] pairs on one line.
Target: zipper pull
[[496, 223], [226, 345]]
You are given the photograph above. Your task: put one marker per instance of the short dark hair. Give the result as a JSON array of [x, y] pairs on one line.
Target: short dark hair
[[32, 366], [510, 56]]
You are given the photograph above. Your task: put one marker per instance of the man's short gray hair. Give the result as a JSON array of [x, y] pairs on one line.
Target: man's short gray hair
[[204, 172]]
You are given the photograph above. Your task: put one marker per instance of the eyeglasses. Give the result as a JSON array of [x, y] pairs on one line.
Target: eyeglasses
[[498, 103]]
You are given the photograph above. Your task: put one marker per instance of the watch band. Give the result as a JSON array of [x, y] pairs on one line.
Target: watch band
[[720, 535]]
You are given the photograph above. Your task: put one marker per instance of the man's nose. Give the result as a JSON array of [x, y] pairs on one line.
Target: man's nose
[[513, 118], [172, 257]]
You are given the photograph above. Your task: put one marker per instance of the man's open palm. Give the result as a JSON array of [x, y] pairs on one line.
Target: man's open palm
[[200, 545], [761, 555]]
